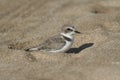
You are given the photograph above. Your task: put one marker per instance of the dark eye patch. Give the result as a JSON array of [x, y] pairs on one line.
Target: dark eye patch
[[69, 29]]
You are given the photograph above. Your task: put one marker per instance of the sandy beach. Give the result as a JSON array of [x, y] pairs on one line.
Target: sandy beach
[[95, 54]]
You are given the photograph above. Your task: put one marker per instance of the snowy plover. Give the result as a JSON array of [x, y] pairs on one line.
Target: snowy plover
[[58, 43]]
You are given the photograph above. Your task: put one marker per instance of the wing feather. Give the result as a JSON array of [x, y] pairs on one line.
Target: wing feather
[[53, 43]]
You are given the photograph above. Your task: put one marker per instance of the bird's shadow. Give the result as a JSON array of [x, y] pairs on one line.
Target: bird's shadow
[[80, 48]]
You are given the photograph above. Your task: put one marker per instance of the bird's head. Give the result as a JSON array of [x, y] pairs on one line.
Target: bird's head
[[70, 30]]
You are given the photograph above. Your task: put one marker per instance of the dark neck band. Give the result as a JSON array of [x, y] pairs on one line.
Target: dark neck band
[[67, 38]]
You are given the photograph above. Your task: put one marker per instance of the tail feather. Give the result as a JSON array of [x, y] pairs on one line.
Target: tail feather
[[32, 49], [26, 49]]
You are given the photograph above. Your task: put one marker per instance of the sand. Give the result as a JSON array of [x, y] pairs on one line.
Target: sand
[[95, 54]]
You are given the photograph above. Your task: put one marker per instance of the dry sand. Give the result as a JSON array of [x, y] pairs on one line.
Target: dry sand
[[95, 54]]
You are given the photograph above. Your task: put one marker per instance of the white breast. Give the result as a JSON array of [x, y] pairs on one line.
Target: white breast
[[64, 48]]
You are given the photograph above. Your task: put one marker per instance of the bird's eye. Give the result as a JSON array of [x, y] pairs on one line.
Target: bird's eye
[[69, 29]]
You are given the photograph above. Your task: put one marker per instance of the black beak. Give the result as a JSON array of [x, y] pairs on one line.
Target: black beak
[[77, 32]]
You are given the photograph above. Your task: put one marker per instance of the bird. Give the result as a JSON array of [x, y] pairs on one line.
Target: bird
[[61, 42]]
